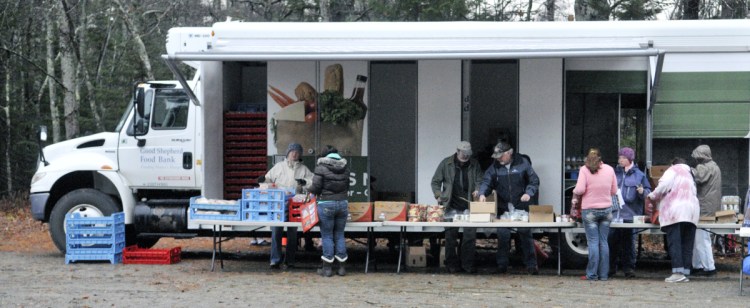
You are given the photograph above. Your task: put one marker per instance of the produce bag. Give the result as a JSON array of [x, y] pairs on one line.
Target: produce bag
[[651, 211], [309, 214]]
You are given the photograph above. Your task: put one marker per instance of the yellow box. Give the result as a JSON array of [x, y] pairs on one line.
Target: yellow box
[[541, 213]]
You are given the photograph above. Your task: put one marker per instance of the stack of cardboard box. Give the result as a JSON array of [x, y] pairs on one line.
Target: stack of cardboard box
[[482, 211]]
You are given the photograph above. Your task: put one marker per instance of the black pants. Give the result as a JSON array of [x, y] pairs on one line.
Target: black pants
[[680, 239], [468, 248], [621, 248]]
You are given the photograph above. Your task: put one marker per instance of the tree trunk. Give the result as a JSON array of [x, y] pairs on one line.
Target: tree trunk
[[8, 168], [690, 9], [550, 6], [135, 32], [325, 13], [83, 51], [68, 70], [733, 9], [54, 112]]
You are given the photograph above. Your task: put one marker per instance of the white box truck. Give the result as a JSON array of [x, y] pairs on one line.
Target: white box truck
[[417, 89]]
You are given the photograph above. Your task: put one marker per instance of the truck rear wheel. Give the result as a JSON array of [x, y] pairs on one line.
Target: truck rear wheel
[[574, 250], [87, 202]]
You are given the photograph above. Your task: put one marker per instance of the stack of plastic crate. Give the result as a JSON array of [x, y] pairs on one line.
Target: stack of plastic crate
[[94, 238], [264, 205], [136, 255], [210, 209]]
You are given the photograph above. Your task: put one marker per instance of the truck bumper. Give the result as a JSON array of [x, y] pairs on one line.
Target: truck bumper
[[38, 205]]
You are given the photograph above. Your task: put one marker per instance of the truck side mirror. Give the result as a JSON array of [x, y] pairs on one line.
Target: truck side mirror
[[42, 133]]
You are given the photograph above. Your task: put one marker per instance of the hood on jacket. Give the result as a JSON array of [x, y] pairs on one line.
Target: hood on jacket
[[702, 153], [335, 165]]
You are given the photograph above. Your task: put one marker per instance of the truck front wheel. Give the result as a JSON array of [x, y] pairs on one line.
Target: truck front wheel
[[574, 250], [87, 202]]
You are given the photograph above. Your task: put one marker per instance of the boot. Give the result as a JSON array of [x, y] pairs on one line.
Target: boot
[[342, 268], [325, 269]]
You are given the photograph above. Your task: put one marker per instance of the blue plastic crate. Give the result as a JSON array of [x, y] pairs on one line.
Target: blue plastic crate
[[93, 249], [111, 257], [263, 205], [81, 237], [279, 216], [214, 211], [264, 194], [74, 220]]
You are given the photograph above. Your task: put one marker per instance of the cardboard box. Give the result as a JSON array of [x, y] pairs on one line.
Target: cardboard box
[[655, 173], [391, 210], [707, 219], [360, 211], [441, 258], [726, 217], [490, 198], [482, 208], [481, 217], [416, 256], [541, 213]]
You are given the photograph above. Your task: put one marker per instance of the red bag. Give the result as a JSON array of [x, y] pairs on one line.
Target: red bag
[[575, 210], [651, 210], [309, 214]]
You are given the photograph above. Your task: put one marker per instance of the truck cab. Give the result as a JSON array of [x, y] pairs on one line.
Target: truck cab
[[152, 152]]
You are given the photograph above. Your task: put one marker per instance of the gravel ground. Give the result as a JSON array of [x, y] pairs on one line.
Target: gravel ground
[[34, 274]]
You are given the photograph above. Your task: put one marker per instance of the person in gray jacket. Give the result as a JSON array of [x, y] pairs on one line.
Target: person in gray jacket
[[708, 182], [455, 182]]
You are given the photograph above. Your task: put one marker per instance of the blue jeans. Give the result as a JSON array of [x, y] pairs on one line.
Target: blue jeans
[[596, 223], [527, 247], [332, 216], [291, 244]]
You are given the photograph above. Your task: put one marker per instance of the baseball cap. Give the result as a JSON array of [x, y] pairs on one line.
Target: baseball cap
[[500, 148]]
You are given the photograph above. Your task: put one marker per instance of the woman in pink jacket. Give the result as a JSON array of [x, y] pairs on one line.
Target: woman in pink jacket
[[678, 215], [596, 185]]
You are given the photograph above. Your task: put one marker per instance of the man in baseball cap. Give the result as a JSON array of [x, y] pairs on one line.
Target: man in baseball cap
[[455, 182]]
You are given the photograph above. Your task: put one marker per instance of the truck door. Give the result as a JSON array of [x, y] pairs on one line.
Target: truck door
[[161, 155]]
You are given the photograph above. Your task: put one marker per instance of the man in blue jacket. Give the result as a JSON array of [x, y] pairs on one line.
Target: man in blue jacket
[[633, 186], [515, 182]]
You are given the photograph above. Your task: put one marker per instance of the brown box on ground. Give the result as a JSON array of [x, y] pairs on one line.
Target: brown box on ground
[[441, 259], [541, 213], [481, 217], [482, 208], [726, 217], [707, 219], [360, 211], [416, 256], [391, 210]]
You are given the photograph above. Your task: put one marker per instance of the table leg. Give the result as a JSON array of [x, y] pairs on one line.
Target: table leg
[[400, 248], [213, 251], [369, 243], [221, 255], [559, 254]]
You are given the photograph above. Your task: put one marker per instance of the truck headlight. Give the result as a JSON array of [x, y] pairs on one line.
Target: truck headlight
[[37, 177]]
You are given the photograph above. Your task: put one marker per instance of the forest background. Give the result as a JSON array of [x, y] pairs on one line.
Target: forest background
[[71, 64]]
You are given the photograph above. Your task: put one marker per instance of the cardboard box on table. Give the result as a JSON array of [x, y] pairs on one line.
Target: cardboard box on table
[[392, 210], [416, 256], [360, 211], [482, 211], [726, 217], [541, 213], [707, 220]]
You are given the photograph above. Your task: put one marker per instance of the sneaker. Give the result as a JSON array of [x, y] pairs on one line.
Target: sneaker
[[254, 242], [584, 277], [275, 266], [287, 267], [677, 278], [704, 273], [262, 242], [629, 274]]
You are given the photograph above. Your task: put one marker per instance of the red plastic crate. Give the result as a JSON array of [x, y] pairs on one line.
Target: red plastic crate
[[295, 211], [136, 255]]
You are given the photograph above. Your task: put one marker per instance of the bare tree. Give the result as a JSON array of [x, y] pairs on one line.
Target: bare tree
[[68, 70], [136, 35], [54, 114]]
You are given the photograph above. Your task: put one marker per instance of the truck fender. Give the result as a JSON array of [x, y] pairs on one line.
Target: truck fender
[[123, 190]]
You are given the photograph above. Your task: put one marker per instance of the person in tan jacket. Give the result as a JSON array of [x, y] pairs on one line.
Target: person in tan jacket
[[708, 182]]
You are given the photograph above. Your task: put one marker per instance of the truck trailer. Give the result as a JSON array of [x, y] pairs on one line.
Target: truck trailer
[[395, 98]]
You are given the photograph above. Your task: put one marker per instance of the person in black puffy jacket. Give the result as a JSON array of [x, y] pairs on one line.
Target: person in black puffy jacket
[[331, 185]]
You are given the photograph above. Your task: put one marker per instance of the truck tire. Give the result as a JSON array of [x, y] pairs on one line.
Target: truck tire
[[574, 250], [87, 202]]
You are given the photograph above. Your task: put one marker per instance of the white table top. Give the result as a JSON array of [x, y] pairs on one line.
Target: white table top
[[496, 224]]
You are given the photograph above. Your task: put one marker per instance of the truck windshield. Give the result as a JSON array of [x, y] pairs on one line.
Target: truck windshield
[[124, 117]]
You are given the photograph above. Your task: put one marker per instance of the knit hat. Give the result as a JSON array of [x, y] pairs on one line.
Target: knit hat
[[465, 148], [500, 149], [294, 147], [627, 153]]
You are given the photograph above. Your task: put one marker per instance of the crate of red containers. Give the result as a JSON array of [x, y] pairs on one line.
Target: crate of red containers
[[136, 255], [295, 207]]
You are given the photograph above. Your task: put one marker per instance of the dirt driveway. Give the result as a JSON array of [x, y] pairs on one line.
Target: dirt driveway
[[34, 274]]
